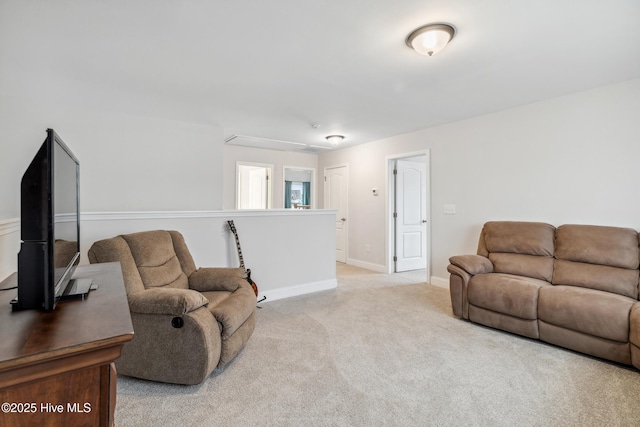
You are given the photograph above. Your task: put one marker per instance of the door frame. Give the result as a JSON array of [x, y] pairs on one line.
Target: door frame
[[390, 229], [324, 204]]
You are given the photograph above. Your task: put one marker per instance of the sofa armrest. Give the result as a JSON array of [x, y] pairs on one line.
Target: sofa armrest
[[472, 264], [462, 268], [171, 301], [216, 279]]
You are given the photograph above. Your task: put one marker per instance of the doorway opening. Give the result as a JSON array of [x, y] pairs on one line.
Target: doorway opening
[[299, 187], [408, 213]]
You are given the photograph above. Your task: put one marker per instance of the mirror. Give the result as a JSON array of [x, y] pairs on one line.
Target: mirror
[[299, 187], [253, 185]]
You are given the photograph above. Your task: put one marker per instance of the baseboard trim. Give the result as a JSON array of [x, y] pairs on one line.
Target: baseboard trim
[[439, 282], [294, 291], [367, 265]]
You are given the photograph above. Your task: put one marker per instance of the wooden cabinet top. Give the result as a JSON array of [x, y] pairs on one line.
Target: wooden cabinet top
[[76, 326]]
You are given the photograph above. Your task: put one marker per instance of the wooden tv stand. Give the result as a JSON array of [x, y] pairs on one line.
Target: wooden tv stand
[[56, 367]]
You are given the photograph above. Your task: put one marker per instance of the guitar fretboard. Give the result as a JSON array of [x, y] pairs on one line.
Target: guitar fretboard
[[235, 234]]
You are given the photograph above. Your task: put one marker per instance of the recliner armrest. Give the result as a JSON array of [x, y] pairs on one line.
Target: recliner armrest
[[472, 264], [171, 301], [216, 279]]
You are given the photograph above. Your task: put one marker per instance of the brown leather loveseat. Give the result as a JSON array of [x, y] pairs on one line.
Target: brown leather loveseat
[[574, 286]]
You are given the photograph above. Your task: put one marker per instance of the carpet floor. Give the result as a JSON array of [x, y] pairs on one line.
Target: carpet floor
[[386, 350]]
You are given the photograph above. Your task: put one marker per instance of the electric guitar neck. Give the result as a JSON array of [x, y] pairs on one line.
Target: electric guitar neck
[[246, 271]]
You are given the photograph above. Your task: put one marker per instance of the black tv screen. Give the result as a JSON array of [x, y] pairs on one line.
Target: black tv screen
[[49, 225], [65, 210]]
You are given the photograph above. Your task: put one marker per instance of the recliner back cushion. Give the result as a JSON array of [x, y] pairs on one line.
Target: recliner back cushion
[[520, 248], [597, 257], [156, 259]]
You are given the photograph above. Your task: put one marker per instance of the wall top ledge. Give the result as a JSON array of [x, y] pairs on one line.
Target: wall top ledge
[[111, 216]]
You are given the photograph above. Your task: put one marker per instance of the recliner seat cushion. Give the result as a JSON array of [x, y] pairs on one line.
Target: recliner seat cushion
[[593, 312], [505, 293]]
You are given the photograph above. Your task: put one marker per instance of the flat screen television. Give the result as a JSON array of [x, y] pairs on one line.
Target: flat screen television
[[49, 226]]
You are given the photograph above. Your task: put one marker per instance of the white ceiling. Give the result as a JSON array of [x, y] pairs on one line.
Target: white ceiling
[[272, 68]]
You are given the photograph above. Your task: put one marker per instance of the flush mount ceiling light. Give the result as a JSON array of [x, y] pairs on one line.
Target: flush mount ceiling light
[[430, 39], [335, 139]]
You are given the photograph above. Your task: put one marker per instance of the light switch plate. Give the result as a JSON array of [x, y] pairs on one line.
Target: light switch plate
[[450, 209]]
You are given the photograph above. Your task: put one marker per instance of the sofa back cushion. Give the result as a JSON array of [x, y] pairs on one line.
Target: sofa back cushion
[[521, 248], [597, 257]]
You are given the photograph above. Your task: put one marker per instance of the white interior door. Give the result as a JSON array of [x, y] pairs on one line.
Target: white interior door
[[258, 182], [253, 186], [411, 210], [335, 197]]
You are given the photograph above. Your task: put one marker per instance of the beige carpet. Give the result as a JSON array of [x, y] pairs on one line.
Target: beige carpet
[[385, 350]]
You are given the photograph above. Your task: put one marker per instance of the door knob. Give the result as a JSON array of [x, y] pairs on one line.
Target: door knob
[[343, 219], [424, 221]]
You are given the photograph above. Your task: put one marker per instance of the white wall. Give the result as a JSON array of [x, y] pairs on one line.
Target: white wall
[[572, 159], [289, 252], [126, 162], [138, 150], [135, 152], [278, 159], [9, 246]]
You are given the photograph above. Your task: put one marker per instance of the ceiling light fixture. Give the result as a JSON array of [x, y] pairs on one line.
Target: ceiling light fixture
[[430, 39], [335, 139]]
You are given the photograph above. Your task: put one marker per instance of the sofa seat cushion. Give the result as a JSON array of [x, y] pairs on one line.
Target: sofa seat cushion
[[506, 293], [231, 309], [598, 313]]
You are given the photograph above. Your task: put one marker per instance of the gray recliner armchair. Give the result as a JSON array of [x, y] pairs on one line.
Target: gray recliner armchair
[[186, 321]]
